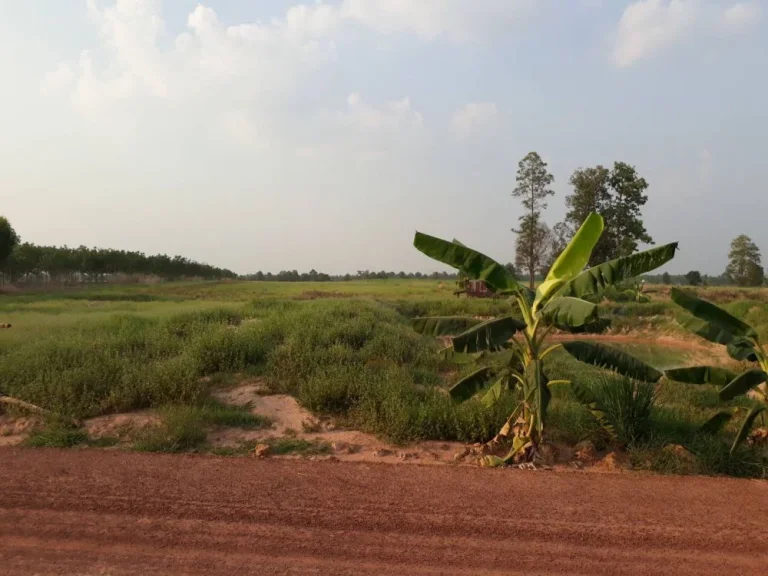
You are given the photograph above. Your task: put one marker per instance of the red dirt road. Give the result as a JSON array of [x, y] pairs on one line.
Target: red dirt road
[[113, 513]]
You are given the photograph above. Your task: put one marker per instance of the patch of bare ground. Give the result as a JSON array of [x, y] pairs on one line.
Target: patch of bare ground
[[125, 427], [290, 419], [14, 429]]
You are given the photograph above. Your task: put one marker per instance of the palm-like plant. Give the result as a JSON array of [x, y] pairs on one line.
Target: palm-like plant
[[742, 343], [513, 350]]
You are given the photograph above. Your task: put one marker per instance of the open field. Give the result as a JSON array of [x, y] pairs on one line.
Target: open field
[[149, 367]]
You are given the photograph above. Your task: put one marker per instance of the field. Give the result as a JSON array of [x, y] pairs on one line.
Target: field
[[215, 367]]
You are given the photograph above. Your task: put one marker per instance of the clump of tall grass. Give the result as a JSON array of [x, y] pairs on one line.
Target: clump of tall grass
[[629, 405]]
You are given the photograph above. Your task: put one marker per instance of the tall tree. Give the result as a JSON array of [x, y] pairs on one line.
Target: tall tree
[[744, 263], [8, 239], [533, 182], [532, 248], [618, 195], [666, 279]]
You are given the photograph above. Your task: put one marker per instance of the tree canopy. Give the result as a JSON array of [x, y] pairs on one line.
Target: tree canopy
[[744, 263]]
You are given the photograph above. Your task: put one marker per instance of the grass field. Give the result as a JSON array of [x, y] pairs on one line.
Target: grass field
[[343, 349]]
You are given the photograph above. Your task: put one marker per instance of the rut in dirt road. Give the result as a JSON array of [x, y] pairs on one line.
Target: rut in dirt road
[[99, 513]]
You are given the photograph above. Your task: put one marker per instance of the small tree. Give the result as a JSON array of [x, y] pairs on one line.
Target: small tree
[[665, 279], [533, 182], [693, 278], [744, 263]]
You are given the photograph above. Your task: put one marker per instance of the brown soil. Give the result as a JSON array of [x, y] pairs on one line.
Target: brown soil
[[13, 429], [97, 513], [290, 419], [121, 426]]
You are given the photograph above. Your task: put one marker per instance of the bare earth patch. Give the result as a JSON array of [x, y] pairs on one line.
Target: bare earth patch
[[14, 429], [121, 426], [290, 419]]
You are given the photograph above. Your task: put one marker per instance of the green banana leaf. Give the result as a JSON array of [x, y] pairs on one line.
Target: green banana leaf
[[586, 397], [612, 359], [746, 426], [593, 281], [701, 375], [470, 385], [712, 314], [573, 259], [742, 349], [450, 355], [570, 312], [443, 325], [743, 383], [494, 392], [717, 422], [488, 335], [472, 263]]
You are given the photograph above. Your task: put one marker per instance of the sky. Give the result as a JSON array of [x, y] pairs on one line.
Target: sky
[[271, 135]]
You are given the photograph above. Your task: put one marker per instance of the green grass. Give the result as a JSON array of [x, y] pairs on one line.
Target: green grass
[[343, 349], [184, 428]]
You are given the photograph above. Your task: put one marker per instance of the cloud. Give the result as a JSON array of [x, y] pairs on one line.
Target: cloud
[[389, 116], [473, 116], [648, 26], [740, 17], [455, 20]]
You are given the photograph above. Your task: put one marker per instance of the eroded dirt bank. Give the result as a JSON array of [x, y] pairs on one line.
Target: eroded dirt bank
[[99, 513]]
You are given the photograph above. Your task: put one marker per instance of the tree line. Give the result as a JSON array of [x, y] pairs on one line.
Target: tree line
[[618, 195], [29, 263], [315, 276]]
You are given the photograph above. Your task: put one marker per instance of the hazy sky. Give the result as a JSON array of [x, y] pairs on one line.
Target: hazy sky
[[272, 135]]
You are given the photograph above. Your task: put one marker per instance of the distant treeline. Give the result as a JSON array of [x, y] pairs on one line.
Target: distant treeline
[[29, 263], [685, 279], [315, 276]]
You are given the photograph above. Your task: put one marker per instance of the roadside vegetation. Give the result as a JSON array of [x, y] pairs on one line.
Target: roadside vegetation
[[353, 356]]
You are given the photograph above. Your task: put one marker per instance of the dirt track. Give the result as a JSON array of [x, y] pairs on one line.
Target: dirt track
[[112, 513]]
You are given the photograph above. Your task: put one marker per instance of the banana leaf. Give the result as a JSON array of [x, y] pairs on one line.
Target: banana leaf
[[573, 259], [612, 359], [488, 335], [586, 397], [743, 383], [716, 423], [443, 325], [494, 392], [470, 385], [712, 314], [701, 375], [742, 349], [570, 312], [593, 281], [746, 426], [472, 263]]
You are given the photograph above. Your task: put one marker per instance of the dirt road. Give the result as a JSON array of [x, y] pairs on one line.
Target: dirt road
[[112, 513]]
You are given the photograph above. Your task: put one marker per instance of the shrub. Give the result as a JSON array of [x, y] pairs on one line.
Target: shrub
[[628, 403]]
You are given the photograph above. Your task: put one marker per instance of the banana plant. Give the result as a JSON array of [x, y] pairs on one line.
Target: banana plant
[[511, 350], [742, 343]]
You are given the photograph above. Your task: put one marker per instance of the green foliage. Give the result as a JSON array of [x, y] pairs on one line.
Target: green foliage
[[744, 264], [618, 195], [57, 433], [443, 325], [613, 359], [693, 278], [283, 446], [627, 406], [558, 302], [8, 239], [533, 182]]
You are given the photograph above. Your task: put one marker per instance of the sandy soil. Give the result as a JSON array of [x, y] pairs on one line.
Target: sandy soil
[[116, 513]]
